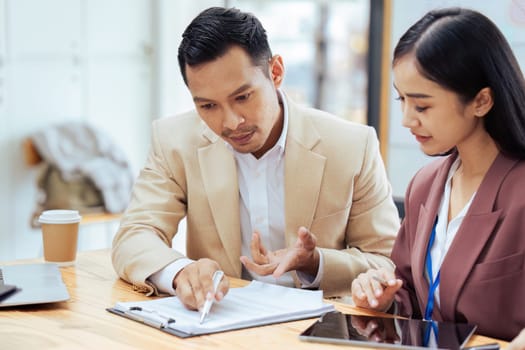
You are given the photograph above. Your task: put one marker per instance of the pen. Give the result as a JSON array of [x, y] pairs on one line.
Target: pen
[[217, 277], [381, 281]]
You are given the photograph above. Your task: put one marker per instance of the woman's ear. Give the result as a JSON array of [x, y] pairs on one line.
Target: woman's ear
[[483, 102], [277, 70]]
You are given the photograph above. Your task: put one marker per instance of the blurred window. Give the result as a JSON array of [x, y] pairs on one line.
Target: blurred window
[[324, 45]]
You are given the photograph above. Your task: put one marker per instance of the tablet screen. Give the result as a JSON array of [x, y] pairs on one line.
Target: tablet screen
[[336, 327]]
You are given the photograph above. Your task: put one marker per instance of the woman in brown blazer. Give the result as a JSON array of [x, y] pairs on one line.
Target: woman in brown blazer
[[460, 253]]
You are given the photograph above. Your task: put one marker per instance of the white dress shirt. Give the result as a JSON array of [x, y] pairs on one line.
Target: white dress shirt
[[446, 231], [261, 188]]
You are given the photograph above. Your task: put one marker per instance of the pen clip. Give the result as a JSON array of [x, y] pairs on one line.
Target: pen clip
[[150, 317], [217, 277]]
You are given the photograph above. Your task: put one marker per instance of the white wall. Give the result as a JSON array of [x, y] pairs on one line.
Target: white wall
[[66, 60], [112, 63], [172, 18], [404, 156], [5, 208]]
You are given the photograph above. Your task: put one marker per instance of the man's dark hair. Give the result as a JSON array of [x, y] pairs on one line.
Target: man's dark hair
[[216, 30]]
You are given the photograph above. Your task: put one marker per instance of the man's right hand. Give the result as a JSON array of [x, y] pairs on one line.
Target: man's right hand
[[194, 282]]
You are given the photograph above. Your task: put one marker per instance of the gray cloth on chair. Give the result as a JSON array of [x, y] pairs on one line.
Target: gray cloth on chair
[[79, 150]]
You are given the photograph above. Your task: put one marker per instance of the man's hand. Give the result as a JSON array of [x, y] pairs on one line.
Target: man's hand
[[302, 256], [194, 282]]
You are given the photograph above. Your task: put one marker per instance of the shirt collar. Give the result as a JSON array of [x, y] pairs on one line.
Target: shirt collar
[[445, 201], [281, 142]]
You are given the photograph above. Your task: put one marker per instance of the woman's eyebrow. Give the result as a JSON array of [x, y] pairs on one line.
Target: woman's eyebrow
[[413, 94]]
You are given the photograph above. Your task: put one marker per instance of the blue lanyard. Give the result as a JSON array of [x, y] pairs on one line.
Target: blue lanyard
[[433, 284], [428, 330]]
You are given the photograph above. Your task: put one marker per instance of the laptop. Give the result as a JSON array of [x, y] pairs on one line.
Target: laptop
[[35, 284]]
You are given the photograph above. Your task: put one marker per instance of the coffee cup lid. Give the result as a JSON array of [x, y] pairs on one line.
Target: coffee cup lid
[[59, 216]]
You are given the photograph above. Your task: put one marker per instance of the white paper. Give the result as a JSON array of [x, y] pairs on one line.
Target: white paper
[[256, 304]]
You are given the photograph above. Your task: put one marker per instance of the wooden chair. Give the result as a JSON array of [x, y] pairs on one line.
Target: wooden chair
[[33, 158]]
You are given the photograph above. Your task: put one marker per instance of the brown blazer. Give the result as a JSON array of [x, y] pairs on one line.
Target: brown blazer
[[335, 185], [483, 273]]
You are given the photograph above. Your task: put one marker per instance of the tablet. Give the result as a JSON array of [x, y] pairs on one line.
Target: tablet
[[391, 333]]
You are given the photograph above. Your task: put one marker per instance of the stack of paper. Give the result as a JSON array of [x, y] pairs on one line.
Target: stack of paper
[[254, 305]]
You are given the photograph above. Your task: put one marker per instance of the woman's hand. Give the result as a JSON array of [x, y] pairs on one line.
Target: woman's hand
[[375, 289], [518, 343]]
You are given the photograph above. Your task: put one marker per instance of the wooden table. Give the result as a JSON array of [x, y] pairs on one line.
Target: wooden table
[[83, 323]]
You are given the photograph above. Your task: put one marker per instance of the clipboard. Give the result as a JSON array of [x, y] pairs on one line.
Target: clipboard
[[257, 304]]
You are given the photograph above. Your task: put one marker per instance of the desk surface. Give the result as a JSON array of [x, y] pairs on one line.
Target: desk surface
[[83, 323]]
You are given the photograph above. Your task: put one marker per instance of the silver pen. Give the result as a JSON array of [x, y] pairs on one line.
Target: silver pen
[[217, 277]]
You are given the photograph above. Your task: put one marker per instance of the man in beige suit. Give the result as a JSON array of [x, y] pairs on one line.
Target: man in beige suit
[[271, 190]]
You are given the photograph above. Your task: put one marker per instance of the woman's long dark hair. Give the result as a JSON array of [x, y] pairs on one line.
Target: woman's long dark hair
[[463, 51]]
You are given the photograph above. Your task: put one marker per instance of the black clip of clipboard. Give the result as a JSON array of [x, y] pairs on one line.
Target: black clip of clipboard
[[151, 318]]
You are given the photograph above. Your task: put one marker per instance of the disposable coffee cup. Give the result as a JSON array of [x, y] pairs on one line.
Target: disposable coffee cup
[[60, 235]]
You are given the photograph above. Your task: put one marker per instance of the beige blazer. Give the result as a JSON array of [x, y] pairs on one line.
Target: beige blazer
[[335, 185]]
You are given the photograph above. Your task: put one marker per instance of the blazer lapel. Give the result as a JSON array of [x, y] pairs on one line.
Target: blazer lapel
[[472, 236], [219, 175], [427, 217], [302, 175]]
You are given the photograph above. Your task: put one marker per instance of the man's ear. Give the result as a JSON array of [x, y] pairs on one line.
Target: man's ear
[[483, 102], [276, 70]]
